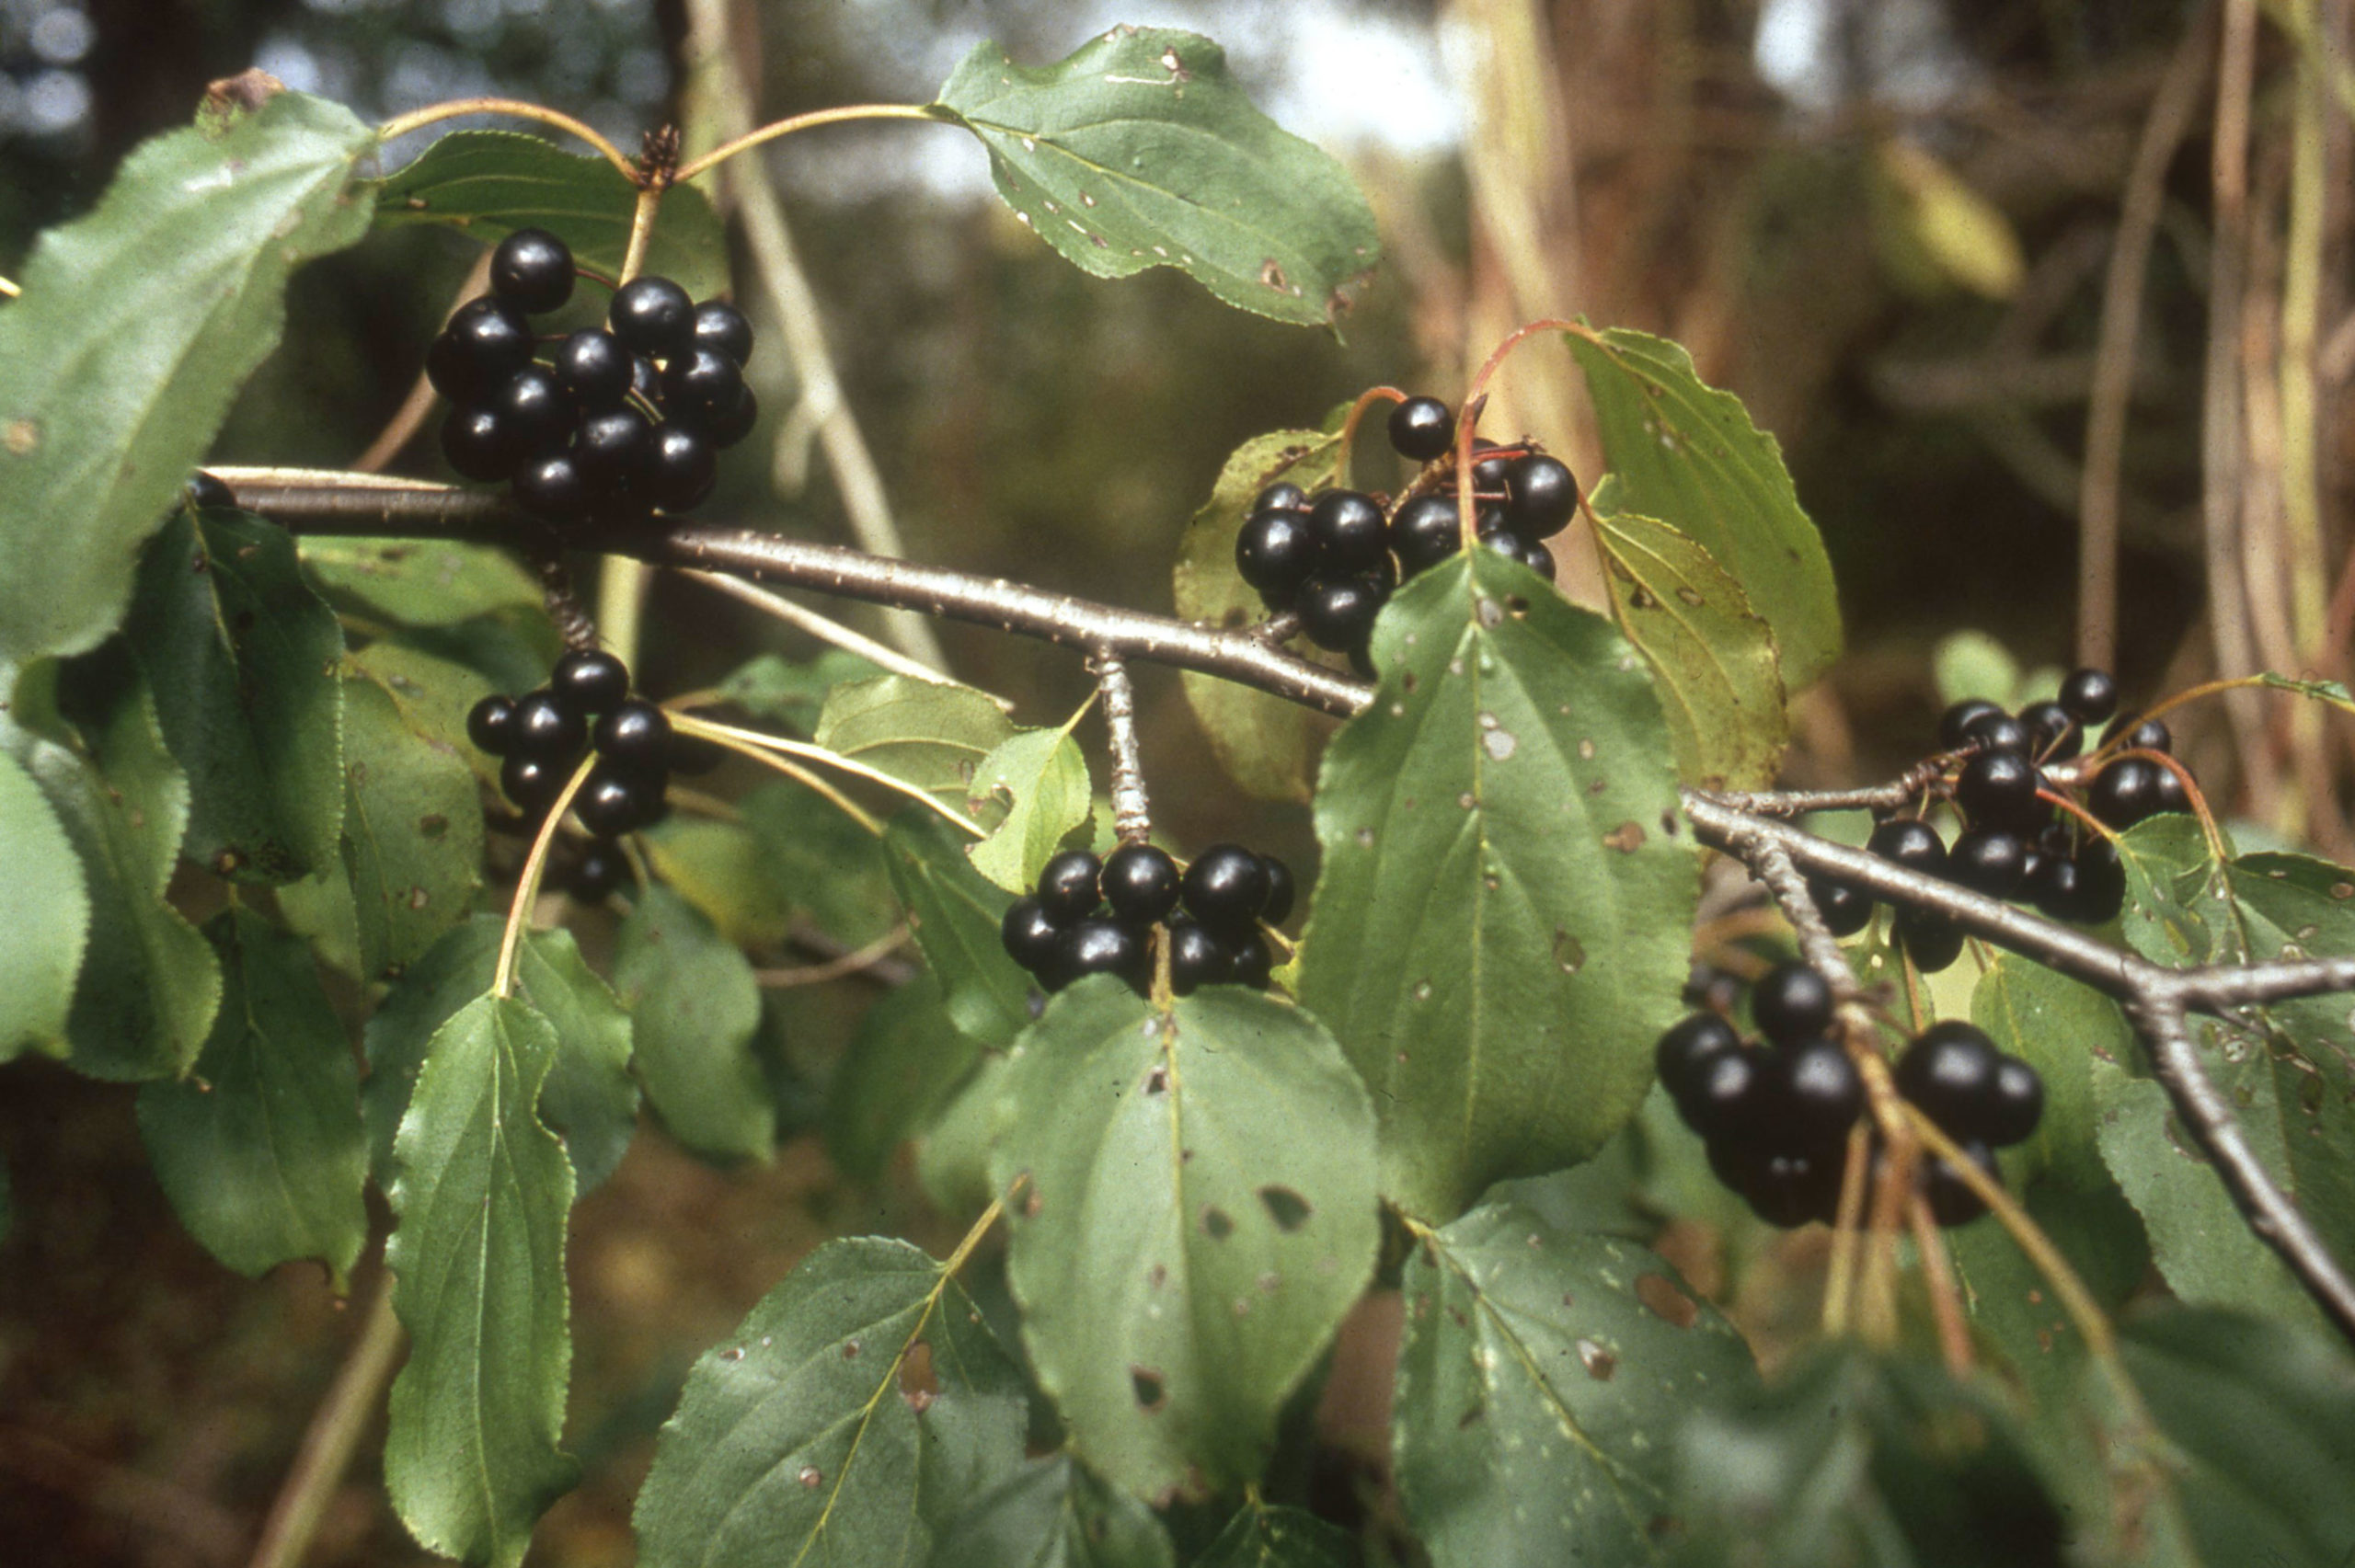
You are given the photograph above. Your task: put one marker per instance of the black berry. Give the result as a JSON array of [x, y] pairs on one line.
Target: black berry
[[1098, 946], [735, 422], [1993, 861], [2145, 735], [654, 316], [2052, 885], [1140, 882], [207, 493], [1846, 909], [613, 801], [1068, 888], [547, 729], [612, 449], [1422, 429], [1791, 1003], [589, 681], [1226, 887], [1337, 612], [1954, 725], [2170, 795], [2125, 792], [1275, 555], [1255, 966], [721, 326], [2014, 1104], [2054, 734], [530, 781], [1541, 494], [2101, 882], [1997, 731], [1823, 1092], [554, 487], [1998, 788], [1683, 1054], [487, 341], [1932, 941], [1030, 937], [681, 469], [1281, 890], [1348, 529], [490, 724], [1424, 532], [1728, 1095], [1949, 1072], [1915, 845], [531, 269], [1537, 559], [475, 441], [2089, 695], [1951, 1200], [594, 369], [635, 735], [1282, 496], [701, 385], [1197, 958], [538, 415], [600, 873]]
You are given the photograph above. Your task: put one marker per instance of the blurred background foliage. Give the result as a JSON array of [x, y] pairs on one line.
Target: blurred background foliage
[[1887, 224]]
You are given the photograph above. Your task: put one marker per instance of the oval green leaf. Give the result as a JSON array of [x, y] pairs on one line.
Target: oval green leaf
[[41, 942], [694, 1007], [1053, 1514]]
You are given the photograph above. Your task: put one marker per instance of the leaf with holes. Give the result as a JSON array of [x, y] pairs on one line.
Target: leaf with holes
[[41, 942], [482, 1194], [1039, 780], [138, 323], [931, 736], [412, 818], [1499, 931], [491, 183], [1714, 662], [1686, 454], [241, 655], [851, 1414], [1266, 745], [260, 1148], [1263, 1536], [955, 913], [1199, 1218], [418, 582], [694, 1007], [1053, 1514], [589, 1099], [1138, 150], [1541, 1382]]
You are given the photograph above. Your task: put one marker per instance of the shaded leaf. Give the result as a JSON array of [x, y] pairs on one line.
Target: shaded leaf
[[412, 826], [138, 323], [482, 1194], [1498, 932], [953, 1154], [418, 582], [589, 1098], [491, 183], [1266, 745], [1138, 150], [1264, 1536], [1688, 454], [1541, 1382], [899, 1068], [854, 1411], [721, 868], [260, 1148], [1713, 661], [693, 1009], [1040, 779], [1200, 1216], [772, 687], [931, 736], [1053, 1514], [956, 914], [827, 864], [41, 940], [241, 655]]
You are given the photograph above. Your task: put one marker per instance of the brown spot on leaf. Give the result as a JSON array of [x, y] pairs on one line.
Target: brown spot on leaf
[[1272, 275], [918, 1385], [1286, 1207], [1217, 1224], [1626, 838], [1600, 1364], [1150, 1389], [1658, 1293]]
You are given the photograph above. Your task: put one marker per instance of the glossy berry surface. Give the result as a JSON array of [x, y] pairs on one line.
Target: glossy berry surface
[[653, 316], [1421, 429], [635, 735], [732, 424], [1931, 940], [1728, 1095], [613, 801], [721, 326], [1951, 1198], [207, 492], [554, 487], [2101, 882], [490, 724], [1999, 789], [1993, 861], [1030, 937], [1337, 612], [530, 782], [1098, 946], [1683, 1054], [1275, 555], [531, 269], [1954, 725], [2170, 793], [547, 729], [476, 442], [2145, 735], [1846, 908], [589, 681], [1197, 958], [1226, 887], [593, 367], [2013, 1105], [1068, 888], [1915, 845], [2125, 792], [1997, 731], [1424, 532], [2089, 695], [612, 449], [1541, 494], [2054, 734], [1349, 531], [1140, 882], [1823, 1092], [1281, 890], [486, 342], [1949, 1071], [1282, 496], [681, 469], [2052, 885], [1255, 966], [1791, 1003], [538, 415], [701, 385], [1537, 559], [601, 871]]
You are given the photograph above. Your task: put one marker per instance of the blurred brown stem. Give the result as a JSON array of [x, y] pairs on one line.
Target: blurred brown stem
[[334, 1434]]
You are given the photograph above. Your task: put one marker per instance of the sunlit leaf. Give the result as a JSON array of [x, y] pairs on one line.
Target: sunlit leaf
[[1040, 780]]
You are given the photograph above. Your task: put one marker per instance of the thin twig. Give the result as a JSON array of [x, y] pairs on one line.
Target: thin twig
[[514, 109], [1131, 813], [817, 117], [403, 427], [829, 631], [855, 961], [9, 288], [334, 1434]]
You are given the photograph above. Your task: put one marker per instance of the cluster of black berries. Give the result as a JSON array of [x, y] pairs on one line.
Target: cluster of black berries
[[1776, 1119], [1335, 557], [1064, 931], [603, 425], [542, 736], [2013, 845]]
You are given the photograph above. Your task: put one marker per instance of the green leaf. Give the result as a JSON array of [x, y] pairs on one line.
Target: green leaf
[[41, 940], [1687, 454], [2333, 693], [1500, 928], [1267, 744], [1878, 1464], [418, 582], [491, 183], [138, 323], [856, 1409], [953, 1154], [932, 736], [1043, 782], [1200, 1216], [149, 985], [900, 1068], [1540, 1383], [589, 1099], [1053, 1514], [956, 914], [820, 859], [722, 868], [1262, 1537], [1971, 664], [241, 655], [695, 1008], [412, 824], [772, 687], [2064, 1030], [477, 1252], [260, 1148], [1138, 150], [1714, 662]]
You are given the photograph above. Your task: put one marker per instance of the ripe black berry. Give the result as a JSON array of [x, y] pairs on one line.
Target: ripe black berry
[[2147, 734], [721, 326], [490, 724], [2014, 1104], [2052, 886], [1140, 882], [1997, 731], [1422, 429], [613, 801], [487, 341], [589, 681], [547, 729], [476, 442], [1541, 494], [1337, 612], [735, 422], [2090, 695], [554, 487], [635, 735], [1281, 890], [1727, 1098], [1282, 496], [654, 316], [1846, 909], [532, 782], [2054, 734], [1255, 966], [206, 492], [1067, 886], [1951, 1200], [1913, 844], [1197, 958], [1683, 1054], [612, 449], [2170, 795], [1424, 532], [1998, 788], [600, 873], [1954, 725], [1537, 559], [1949, 1071], [531, 270], [1932, 941], [2125, 792], [538, 415], [594, 369], [1489, 474], [1993, 861], [2101, 882], [1098, 946], [693, 755], [1791, 1003], [701, 385], [1788, 1187], [1275, 555], [1030, 935], [1226, 887], [1822, 1092], [681, 469], [1348, 529]]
